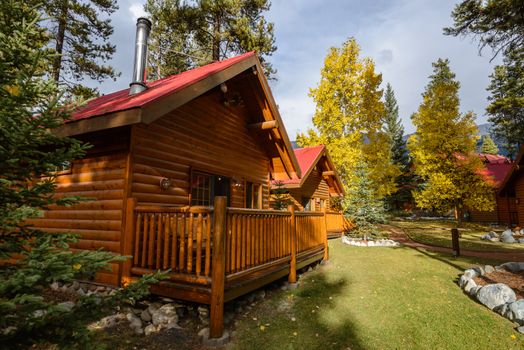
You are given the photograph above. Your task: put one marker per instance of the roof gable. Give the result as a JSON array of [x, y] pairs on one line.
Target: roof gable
[[165, 95], [121, 100], [308, 158]]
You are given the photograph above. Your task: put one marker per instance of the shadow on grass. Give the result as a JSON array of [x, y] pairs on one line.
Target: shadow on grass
[[318, 324]]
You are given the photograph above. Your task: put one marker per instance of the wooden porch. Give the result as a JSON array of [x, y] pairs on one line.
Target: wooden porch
[[336, 224], [215, 254]]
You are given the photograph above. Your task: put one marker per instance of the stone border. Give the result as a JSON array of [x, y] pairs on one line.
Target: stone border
[[497, 297], [359, 242]]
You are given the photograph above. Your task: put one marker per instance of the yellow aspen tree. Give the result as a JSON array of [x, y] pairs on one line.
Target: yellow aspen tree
[[443, 150], [348, 119]]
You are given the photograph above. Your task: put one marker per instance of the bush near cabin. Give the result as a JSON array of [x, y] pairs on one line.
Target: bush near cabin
[[31, 260]]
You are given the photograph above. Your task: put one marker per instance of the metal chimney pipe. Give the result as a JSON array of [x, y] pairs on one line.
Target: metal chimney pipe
[[143, 27]]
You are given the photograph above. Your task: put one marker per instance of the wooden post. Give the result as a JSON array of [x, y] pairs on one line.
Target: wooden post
[[218, 272], [455, 242], [128, 239], [326, 247], [292, 278]]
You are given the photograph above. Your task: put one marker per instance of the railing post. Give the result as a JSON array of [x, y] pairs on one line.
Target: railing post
[[128, 239], [218, 272], [326, 247], [292, 278]]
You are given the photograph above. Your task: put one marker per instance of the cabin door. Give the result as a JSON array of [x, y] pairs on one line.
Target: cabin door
[[222, 187]]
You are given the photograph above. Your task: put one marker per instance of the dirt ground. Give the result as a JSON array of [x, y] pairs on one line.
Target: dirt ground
[[514, 280]]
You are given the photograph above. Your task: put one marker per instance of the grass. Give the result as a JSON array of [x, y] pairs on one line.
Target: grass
[[377, 298], [437, 233]]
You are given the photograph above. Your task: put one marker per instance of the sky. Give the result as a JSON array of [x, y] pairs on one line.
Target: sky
[[403, 37]]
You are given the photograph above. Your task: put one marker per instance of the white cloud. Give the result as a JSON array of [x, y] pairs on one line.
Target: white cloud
[[137, 10]]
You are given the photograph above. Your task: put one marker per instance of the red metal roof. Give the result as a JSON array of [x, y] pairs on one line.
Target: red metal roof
[[493, 158], [306, 159], [498, 171], [120, 100]]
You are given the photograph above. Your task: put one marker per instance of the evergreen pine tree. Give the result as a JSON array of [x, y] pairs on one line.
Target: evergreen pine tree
[[79, 36], [361, 206], [488, 145], [399, 155], [196, 32], [280, 196], [506, 108], [29, 154]]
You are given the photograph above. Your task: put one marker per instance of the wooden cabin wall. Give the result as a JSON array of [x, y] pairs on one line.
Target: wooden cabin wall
[[518, 201], [100, 175], [202, 135], [314, 187]]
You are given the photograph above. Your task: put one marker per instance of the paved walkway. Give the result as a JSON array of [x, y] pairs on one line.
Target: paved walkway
[[397, 234]]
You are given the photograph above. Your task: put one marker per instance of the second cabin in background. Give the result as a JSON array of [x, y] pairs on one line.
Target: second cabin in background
[[319, 185]]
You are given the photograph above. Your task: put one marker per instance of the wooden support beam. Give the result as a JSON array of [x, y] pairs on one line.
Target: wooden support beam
[[328, 173], [216, 321], [267, 125], [325, 235], [129, 233], [292, 278]]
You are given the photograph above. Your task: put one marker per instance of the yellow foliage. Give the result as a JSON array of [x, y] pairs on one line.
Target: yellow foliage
[[443, 149], [348, 118]]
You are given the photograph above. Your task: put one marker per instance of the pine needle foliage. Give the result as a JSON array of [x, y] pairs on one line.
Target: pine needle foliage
[[29, 155], [193, 33]]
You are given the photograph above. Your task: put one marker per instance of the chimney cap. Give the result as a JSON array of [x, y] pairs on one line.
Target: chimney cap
[[144, 20]]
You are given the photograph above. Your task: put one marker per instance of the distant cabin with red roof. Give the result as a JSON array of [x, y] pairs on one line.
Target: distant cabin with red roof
[[182, 141], [497, 168], [510, 194], [319, 181]]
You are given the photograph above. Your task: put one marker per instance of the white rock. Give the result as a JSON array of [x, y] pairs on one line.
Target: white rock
[[135, 323], [345, 240], [489, 269], [463, 280], [515, 311], [473, 291], [151, 329], [470, 284], [493, 295], [165, 315]]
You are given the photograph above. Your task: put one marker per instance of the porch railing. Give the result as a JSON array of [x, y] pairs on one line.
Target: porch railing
[[336, 222], [178, 239], [213, 247]]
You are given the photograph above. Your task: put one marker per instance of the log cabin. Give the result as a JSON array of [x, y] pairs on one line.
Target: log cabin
[[497, 168], [319, 181], [510, 194], [178, 178], [317, 187]]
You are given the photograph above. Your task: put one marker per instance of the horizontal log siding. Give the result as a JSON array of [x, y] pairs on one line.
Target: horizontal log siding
[[98, 221], [314, 187], [519, 194], [202, 135]]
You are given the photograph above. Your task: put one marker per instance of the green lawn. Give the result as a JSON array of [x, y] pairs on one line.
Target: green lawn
[[438, 233], [376, 298]]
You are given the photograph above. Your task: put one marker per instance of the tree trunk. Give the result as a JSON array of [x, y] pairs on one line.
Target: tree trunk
[[216, 39], [60, 36], [458, 215]]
